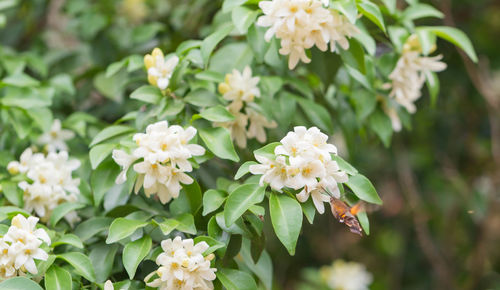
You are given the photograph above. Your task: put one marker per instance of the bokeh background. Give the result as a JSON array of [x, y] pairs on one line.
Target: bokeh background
[[439, 227]]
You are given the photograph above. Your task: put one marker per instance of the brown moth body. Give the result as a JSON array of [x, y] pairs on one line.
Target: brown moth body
[[345, 214]]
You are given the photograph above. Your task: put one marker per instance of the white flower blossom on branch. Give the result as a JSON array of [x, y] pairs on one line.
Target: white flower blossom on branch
[[346, 276], [410, 74], [241, 90], [301, 24], [303, 162], [20, 246], [55, 138], [164, 152], [160, 70], [50, 181], [183, 266]]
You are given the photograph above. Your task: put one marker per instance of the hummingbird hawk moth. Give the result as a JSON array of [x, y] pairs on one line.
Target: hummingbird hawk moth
[[346, 214]]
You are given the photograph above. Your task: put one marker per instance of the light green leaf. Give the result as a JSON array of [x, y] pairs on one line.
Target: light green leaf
[[102, 258], [201, 98], [81, 263], [217, 114], [134, 252], [382, 126], [91, 227], [99, 152], [111, 132], [244, 169], [344, 165], [209, 43], [211, 76], [13, 194], [268, 150], [240, 199], [432, 82], [212, 200], [212, 243], [115, 67], [57, 278], [20, 80], [103, 178], [167, 225], [309, 210], [231, 56], [235, 279], [243, 17], [427, 40], [121, 228], [63, 209], [421, 10], [456, 37], [18, 283], [148, 94], [363, 188], [372, 12], [317, 114], [68, 239], [186, 223], [286, 217], [364, 222], [348, 8], [218, 140]]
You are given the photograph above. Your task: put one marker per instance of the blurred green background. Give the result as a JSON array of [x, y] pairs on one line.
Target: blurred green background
[[439, 227]]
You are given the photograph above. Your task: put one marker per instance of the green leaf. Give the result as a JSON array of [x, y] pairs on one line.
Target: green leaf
[[427, 40], [11, 191], [243, 17], [317, 114], [236, 55], [217, 114], [372, 12], [218, 140], [432, 82], [398, 36], [347, 7], [240, 200], [309, 210], [63, 209], [391, 5], [193, 193], [134, 253], [244, 169], [56, 278], [363, 188], [148, 94], [344, 165], [167, 226], [91, 227], [267, 151], [20, 80], [211, 76], [99, 152], [68, 239], [18, 283], [456, 37], [186, 223], [187, 46], [111, 132], [103, 178], [209, 43], [421, 10], [102, 258], [121, 228], [230, 4], [382, 126], [286, 217], [212, 243], [364, 222], [81, 263], [201, 98], [235, 279], [212, 200], [115, 67]]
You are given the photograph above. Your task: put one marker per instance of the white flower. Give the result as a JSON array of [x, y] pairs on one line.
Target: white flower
[[237, 128], [257, 124], [183, 266], [21, 245], [164, 153], [301, 24], [410, 73], [49, 181], [346, 276], [124, 160], [108, 285], [160, 69], [55, 138], [240, 86], [303, 162]]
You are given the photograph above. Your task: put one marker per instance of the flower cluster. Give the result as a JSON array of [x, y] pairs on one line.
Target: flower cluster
[[410, 73], [55, 138], [346, 276], [301, 24], [20, 245], [240, 89], [50, 181], [183, 266], [303, 161], [160, 69], [165, 154]]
